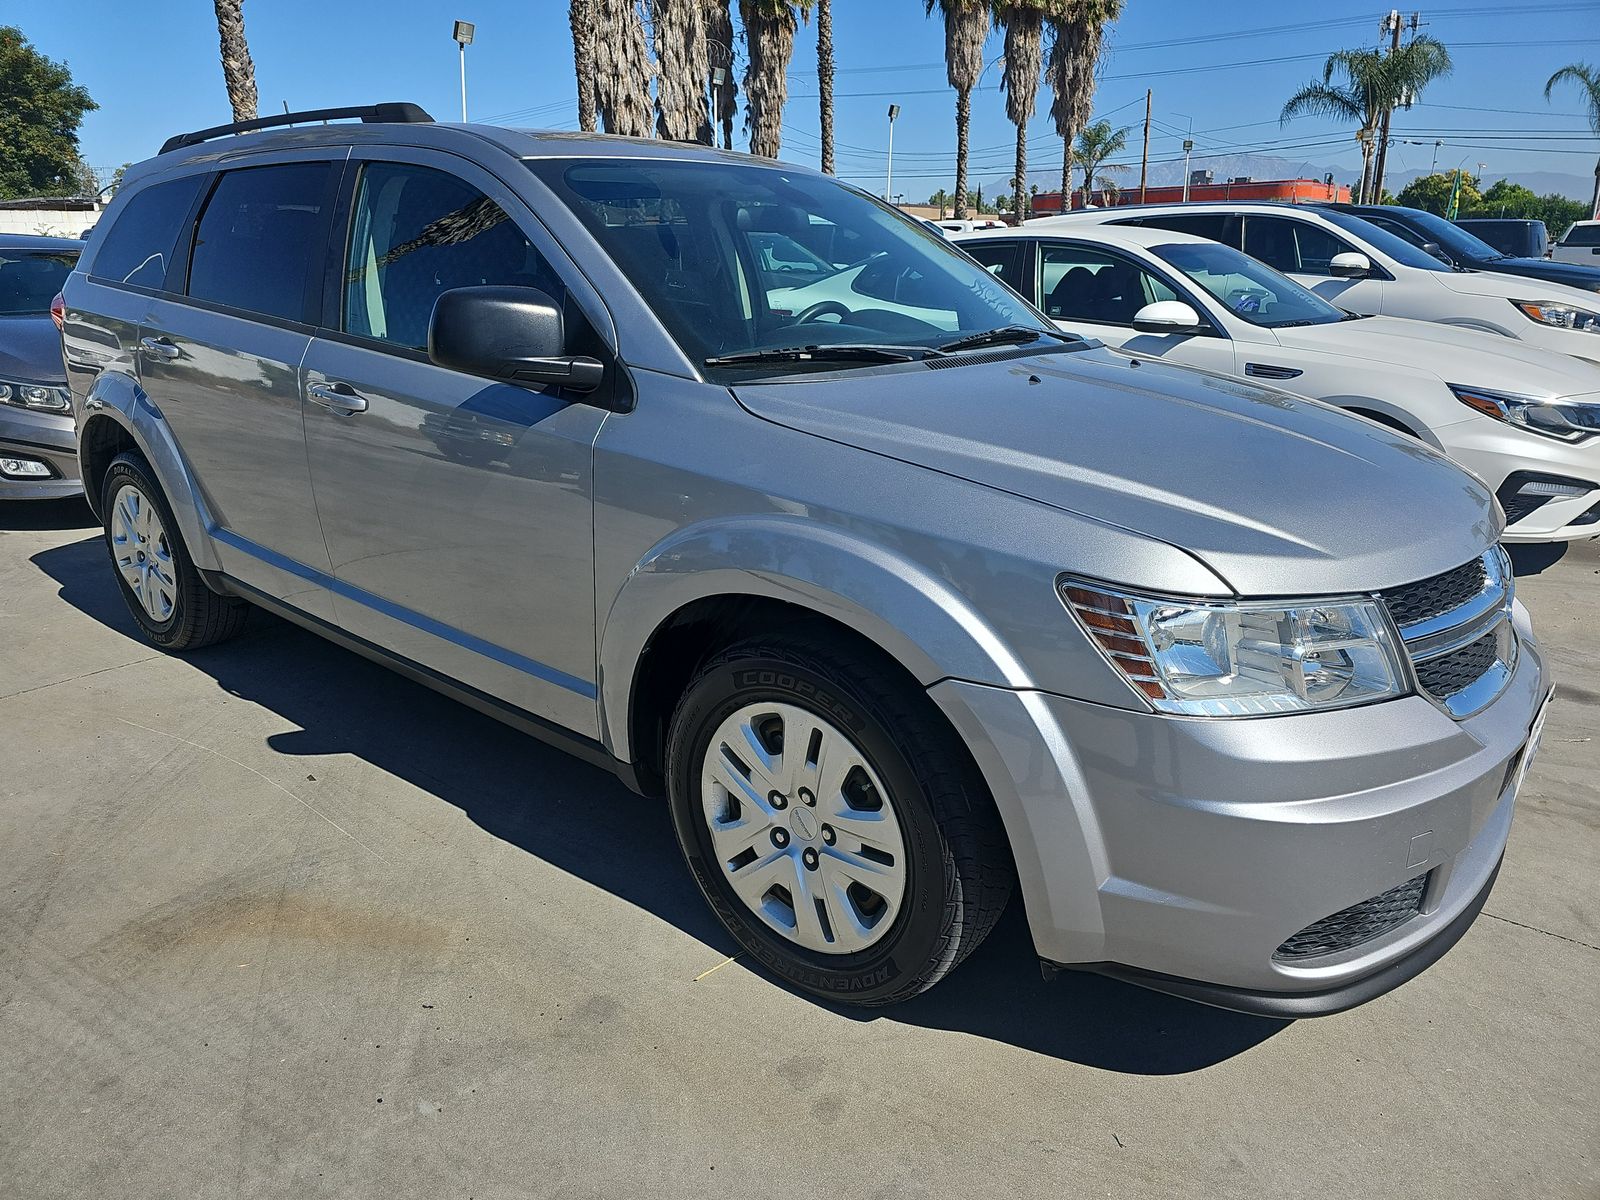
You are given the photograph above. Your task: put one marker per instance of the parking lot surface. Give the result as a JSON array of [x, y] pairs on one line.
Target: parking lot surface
[[276, 922]]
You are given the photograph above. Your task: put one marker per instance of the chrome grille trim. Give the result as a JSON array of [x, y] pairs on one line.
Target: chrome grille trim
[[1434, 633]]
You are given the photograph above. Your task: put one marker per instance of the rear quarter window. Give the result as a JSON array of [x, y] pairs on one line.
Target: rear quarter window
[[1582, 235], [139, 246]]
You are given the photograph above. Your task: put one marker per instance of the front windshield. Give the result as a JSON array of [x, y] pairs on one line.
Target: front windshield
[[1248, 287], [1402, 251], [30, 279], [737, 259], [1450, 237]]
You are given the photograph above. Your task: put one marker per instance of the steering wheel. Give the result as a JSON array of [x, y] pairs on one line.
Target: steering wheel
[[822, 308]]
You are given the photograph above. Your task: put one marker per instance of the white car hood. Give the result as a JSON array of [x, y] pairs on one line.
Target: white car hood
[[1453, 353], [1514, 287]]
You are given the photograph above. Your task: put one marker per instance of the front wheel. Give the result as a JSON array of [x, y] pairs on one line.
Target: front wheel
[[835, 828]]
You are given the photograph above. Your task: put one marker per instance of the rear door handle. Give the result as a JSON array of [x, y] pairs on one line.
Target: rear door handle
[[159, 348], [336, 397]]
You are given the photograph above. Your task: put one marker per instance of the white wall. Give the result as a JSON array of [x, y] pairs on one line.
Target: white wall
[[51, 222]]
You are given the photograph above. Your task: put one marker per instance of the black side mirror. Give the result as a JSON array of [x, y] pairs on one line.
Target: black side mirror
[[512, 334], [1437, 251]]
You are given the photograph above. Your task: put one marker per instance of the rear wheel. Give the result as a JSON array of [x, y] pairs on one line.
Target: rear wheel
[[171, 603], [832, 824]]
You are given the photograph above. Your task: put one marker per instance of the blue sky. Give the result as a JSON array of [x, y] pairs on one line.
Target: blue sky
[[153, 68]]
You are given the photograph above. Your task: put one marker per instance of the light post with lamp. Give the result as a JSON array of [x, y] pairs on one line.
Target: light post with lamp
[[462, 35], [888, 175]]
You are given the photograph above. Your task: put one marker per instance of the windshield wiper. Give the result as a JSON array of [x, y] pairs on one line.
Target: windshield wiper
[[1004, 336], [841, 353]]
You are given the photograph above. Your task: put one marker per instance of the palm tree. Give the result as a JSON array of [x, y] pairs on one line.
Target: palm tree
[[580, 15], [1097, 143], [769, 28], [719, 43], [966, 29], [622, 68], [1023, 22], [825, 80], [1588, 80], [1075, 47], [683, 63], [238, 71], [1359, 99], [1407, 71]]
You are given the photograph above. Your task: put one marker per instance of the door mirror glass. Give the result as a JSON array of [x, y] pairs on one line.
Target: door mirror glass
[[1436, 250], [1351, 265], [512, 334], [1167, 316]]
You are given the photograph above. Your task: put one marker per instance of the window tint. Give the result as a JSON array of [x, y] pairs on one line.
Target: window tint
[[416, 233], [998, 258], [256, 241], [1206, 225], [1250, 288], [1084, 284], [30, 279], [1399, 230], [1291, 246], [138, 247], [1382, 241], [1582, 235]]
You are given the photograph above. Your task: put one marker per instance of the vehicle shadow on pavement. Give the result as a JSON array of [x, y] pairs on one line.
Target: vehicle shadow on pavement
[[46, 514], [551, 805], [1534, 558]]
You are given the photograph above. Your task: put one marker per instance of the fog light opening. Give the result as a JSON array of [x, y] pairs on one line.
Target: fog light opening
[[24, 468]]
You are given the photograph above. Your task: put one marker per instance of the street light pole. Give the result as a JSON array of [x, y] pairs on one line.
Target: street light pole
[[888, 174], [462, 34]]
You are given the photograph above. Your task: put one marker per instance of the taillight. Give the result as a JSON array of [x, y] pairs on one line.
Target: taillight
[[58, 311]]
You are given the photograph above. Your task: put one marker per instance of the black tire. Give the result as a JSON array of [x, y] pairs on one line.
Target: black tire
[[959, 870], [200, 616]]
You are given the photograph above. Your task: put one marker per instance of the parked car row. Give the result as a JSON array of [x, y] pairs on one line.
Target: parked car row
[[728, 478]]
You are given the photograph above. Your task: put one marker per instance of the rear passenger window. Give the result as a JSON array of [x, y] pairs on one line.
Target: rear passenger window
[[1207, 225], [257, 239], [998, 258], [138, 247], [1293, 247], [416, 233]]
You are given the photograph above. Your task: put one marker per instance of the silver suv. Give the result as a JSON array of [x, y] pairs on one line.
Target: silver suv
[[901, 597]]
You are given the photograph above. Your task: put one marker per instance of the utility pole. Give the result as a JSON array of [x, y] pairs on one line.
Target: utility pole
[[888, 171], [1392, 24], [1144, 162]]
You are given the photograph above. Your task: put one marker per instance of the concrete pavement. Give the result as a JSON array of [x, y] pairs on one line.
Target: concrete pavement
[[276, 922]]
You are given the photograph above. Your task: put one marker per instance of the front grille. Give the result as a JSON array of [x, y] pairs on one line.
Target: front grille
[[1521, 504], [1448, 674], [1416, 602], [1357, 924]]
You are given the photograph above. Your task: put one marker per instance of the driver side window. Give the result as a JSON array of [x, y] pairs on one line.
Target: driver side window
[[1085, 284]]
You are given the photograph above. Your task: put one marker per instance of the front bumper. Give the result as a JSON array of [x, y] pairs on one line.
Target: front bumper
[[1494, 452], [41, 437], [1182, 853]]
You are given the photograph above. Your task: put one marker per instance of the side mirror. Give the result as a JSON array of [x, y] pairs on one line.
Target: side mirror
[[1167, 316], [512, 334], [1350, 265], [1437, 251]]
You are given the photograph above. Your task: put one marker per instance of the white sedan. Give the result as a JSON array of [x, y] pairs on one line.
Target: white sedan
[[1525, 420]]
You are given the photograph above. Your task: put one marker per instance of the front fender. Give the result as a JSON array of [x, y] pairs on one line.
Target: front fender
[[118, 398], [918, 618]]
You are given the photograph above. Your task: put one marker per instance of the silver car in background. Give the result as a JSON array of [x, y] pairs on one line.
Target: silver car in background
[[903, 599], [38, 448]]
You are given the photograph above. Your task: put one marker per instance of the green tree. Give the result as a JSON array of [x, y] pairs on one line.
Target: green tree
[[1587, 80], [1075, 48], [1507, 199], [1432, 192], [769, 29], [1097, 143], [40, 111], [940, 200]]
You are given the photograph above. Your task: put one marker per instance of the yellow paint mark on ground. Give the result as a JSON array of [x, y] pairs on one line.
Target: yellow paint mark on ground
[[714, 969]]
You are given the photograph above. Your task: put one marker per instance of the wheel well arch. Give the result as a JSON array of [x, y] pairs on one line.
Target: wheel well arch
[[1388, 419], [701, 628], [101, 440]]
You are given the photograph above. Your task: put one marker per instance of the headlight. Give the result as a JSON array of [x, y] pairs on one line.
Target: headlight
[[1569, 420], [1561, 315], [33, 395], [1233, 660]]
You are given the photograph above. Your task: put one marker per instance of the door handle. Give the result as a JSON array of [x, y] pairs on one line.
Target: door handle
[[159, 348], [336, 397]]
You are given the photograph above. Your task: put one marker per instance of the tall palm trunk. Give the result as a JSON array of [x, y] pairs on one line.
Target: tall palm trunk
[[825, 80], [622, 68], [238, 71], [683, 63], [963, 130], [1024, 26], [769, 29], [719, 44], [581, 17], [966, 28], [1074, 59]]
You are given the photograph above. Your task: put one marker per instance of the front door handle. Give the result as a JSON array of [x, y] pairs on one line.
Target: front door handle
[[159, 348], [336, 397]]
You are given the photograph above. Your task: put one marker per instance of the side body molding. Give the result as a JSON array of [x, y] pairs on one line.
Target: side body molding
[[916, 617]]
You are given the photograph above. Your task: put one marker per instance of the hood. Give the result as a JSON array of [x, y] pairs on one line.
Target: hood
[[1513, 287], [1278, 495], [30, 349], [1586, 279], [1452, 353]]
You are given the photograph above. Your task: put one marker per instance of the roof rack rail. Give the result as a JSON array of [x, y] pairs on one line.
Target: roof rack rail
[[391, 114]]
